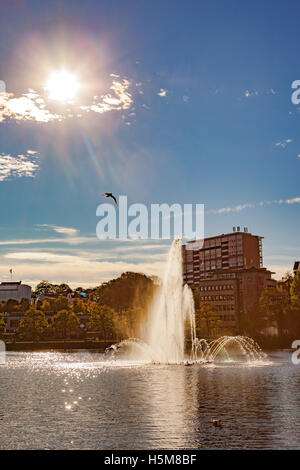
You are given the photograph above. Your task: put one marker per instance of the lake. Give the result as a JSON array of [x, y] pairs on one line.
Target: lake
[[81, 400]]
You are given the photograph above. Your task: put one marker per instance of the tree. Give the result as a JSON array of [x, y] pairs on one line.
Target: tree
[[33, 325], [44, 288], [63, 289], [295, 290], [46, 307], [61, 303], [25, 304], [2, 325], [293, 312], [128, 291], [78, 306], [273, 305], [206, 319], [11, 305], [65, 323], [126, 323], [101, 320]]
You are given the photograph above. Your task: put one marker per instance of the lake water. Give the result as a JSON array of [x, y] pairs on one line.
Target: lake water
[[80, 401]]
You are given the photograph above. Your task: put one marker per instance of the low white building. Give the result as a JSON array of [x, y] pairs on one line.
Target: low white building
[[14, 290]]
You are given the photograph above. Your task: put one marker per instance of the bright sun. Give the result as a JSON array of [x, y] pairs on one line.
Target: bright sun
[[62, 86]]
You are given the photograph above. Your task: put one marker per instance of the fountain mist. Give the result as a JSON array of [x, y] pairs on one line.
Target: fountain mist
[[172, 306], [163, 333]]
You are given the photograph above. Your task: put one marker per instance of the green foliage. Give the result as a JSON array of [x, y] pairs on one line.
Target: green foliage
[[46, 307], [25, 305], [65, 323], [128, 291], [128, 321], [295, 290], [206, 319], [11, 305], [273, 304], [61, 303], [2, 325], [102, 320], [33, 325], [45, 288], [78, 306]]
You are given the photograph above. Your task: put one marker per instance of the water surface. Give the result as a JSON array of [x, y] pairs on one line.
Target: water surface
[[80, 401]]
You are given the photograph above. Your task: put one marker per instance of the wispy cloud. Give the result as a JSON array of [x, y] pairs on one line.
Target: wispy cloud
[[295, 200], [162, 92], [248, 93], [79, 269], [19, 166], [69, 231], [119, 99], [241, 207], [251, 93], [227, 210], [284, 143]]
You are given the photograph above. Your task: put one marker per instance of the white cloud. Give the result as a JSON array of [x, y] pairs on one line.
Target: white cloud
[[226, 210], [284, 143], [279, 270], [162, 92], [241, 207], [70, 232], [248, 93], [17, 166], [293, 201], [75, 270], [32, 106]]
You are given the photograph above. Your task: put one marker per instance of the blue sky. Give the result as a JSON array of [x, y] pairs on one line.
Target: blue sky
[[200, 112]]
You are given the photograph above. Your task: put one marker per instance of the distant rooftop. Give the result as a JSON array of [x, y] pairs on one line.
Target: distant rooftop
[[11, 283]]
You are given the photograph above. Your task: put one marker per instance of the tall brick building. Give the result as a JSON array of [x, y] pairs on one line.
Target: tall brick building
[[228, 271]]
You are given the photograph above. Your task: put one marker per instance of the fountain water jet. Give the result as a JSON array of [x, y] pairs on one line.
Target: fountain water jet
[[163, 333]]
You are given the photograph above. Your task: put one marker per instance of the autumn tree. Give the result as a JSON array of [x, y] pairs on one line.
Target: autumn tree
[[101, 320], [273, 304], [61, 303], [65, 323], [2, 325], [206, 319], [293, 312], [33, 325], [127, 291], [11, 305]]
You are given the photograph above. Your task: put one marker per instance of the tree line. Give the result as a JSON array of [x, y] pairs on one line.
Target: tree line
[[115, 312]]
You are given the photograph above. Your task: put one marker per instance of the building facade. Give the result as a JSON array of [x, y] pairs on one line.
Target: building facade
[[227, 272], [14, 290]]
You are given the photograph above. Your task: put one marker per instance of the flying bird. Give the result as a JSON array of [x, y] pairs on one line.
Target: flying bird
[[111, 196]]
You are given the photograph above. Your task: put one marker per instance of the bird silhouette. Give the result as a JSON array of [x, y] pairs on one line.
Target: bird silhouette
[[111, 196]]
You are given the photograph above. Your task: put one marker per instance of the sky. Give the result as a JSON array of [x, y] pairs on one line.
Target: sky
[[178, 102]]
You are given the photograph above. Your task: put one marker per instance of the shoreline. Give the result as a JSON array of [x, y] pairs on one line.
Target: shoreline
[[101, 345], [58, 345]]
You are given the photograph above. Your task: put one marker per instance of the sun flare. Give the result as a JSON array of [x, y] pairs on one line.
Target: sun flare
[[62, 86]]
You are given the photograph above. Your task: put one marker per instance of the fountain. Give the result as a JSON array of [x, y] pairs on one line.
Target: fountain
[[162, 336]]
